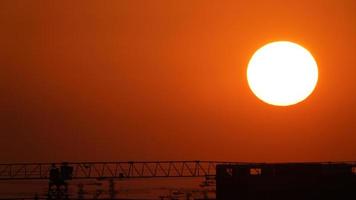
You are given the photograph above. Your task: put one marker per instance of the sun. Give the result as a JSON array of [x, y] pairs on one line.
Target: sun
[[282, 73]]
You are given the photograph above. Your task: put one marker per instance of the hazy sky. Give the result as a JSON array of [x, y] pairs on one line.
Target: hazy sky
[[166, 80]]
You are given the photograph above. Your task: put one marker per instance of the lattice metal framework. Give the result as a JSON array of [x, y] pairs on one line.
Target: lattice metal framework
[[112, 170]]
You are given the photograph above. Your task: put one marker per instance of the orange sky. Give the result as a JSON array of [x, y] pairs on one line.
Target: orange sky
[[166, 80]]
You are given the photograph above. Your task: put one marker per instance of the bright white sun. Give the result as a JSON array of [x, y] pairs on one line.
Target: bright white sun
[[282, 73]]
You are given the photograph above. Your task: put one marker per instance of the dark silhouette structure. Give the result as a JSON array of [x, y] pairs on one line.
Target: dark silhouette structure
[[60, 175], [64, 171], [234, 180], [292, 181]]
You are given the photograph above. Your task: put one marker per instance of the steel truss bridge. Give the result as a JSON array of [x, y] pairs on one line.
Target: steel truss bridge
[[111, 170]]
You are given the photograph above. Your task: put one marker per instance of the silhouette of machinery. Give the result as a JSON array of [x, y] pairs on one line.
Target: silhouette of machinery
[[58, 177], [243, 181], [60, 174]]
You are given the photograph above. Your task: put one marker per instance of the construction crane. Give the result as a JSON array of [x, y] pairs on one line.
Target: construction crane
[[59, 174]]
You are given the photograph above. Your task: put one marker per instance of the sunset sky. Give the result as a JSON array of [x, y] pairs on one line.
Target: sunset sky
[[166, 80]]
